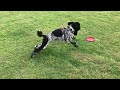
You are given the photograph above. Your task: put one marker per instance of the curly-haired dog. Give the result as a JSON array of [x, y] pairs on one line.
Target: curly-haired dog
[[64, 34]]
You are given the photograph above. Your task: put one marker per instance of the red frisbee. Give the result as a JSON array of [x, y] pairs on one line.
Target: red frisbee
[[90, 39]]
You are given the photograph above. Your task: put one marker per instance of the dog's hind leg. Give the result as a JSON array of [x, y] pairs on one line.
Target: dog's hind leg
[[39, 47], [46, 45]]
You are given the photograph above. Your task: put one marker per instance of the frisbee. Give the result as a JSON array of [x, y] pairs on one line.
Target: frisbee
[[90, 39]]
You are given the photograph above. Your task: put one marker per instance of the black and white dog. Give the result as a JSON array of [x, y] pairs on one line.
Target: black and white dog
[[64, 34]]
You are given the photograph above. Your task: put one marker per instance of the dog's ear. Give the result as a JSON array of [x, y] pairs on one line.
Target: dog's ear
[[75, 33], [70, 23], [76, 26]]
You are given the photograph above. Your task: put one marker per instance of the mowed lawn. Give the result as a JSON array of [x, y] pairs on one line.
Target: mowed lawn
[[91, 60]]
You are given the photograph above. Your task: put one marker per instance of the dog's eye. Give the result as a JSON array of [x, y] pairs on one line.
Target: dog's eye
[[71, 30]]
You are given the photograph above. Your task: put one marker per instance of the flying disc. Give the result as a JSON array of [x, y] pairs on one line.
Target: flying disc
[[90, 39]]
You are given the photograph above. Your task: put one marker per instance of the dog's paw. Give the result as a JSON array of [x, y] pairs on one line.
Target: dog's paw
[[74, 44], [33, 55]]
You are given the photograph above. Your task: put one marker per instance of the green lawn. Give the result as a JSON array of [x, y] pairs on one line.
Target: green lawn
[[91, 60]]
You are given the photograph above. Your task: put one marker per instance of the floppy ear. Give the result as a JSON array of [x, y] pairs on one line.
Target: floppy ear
[[75, 33], [70, 23], [76, 26]]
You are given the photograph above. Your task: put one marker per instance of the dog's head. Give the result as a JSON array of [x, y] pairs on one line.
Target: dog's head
[[75, 26]]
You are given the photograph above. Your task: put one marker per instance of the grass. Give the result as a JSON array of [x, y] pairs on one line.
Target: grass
[[96, 60]]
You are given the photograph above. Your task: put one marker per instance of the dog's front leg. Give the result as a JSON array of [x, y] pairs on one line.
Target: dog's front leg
[[74, 44]]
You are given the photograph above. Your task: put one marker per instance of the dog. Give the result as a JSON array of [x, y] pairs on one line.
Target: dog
[[63, 34]]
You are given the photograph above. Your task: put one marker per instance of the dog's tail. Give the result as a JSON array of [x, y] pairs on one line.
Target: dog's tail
[[44, 42], [39, 33], [45, 39]]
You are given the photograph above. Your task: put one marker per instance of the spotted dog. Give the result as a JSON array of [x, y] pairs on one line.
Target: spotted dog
[[63, 34]]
